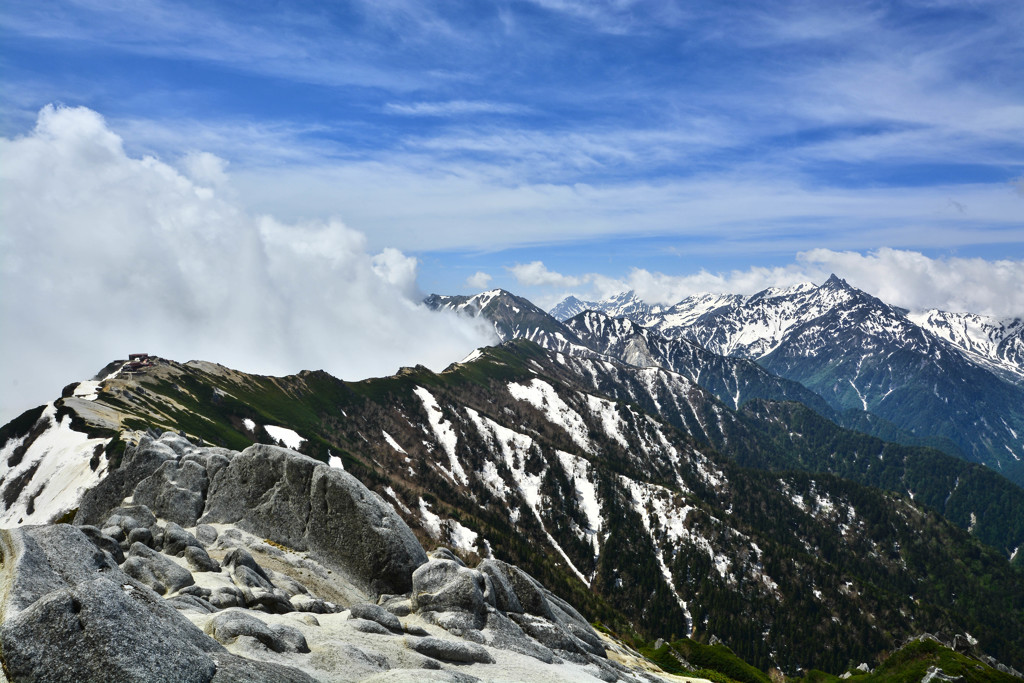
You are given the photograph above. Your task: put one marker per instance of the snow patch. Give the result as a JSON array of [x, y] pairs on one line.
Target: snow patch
[[611, 421], [447, 530], [288, 437], [473, 355], [579, 471], [398, 501], [88, 391], [670, 518], [60, 457], [544, 398], [393, 443], [462, 537], [444, 433], [431, 522]]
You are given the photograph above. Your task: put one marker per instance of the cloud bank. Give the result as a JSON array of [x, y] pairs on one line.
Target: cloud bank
[[904, 278], [103, 254]]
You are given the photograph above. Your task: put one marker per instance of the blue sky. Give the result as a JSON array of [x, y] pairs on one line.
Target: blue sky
[[549, 146]]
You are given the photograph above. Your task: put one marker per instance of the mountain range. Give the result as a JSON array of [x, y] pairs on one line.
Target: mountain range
[[660, 486], [954, 381]]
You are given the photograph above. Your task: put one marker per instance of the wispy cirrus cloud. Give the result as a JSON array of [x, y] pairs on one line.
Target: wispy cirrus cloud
[[455, 108], [476, 136]]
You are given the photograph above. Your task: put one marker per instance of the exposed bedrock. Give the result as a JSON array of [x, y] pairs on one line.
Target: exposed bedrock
[[269, 491], [65, 595]]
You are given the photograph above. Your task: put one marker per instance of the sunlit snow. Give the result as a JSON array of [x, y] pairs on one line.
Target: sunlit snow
[[288, 437], [444, 433]]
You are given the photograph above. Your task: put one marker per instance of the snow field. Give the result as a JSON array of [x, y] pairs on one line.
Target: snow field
[[288, 437], [444, 433], [60, 457], [544, 398]]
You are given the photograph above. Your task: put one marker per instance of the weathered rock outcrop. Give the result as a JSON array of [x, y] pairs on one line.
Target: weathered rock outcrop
[[237, 608], [270, 491], [501, 605], [303, 503], [70, 614]]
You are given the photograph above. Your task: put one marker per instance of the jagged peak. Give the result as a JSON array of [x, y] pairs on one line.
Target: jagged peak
[[836, 282], [782, 292]]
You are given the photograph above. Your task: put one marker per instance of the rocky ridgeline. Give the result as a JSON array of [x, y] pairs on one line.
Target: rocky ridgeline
[[158, 580]]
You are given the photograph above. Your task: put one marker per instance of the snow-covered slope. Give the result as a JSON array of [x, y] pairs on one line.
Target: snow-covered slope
[[44, 473], [956, 380], [624, 305], [599, 335], [995, 343]]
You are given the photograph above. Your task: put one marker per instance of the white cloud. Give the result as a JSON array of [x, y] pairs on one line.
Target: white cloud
[[398, 270], [103, 254], [537, 274], [205, 169], [478, 280]]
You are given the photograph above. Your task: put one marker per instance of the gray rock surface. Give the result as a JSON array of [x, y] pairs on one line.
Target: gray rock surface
[[232, 669], [532, 596], [446, 586], [199, 560], [131, 517], [501, 632], [365, 610], [191, 603], [270, 491], [138, 463], [65, 596], [156, 570], [232, 624], [145, 638], [450, 650], [504, 595], [227, 596], [176, 491], [550, 634], [443, 553], [206, 534], [270, 601], [290, 586], [421, 676], [304, 504], [240, 562], [104, 542], [307, 603], [177, 539], [141, 535], [368, 626], [399, 605]]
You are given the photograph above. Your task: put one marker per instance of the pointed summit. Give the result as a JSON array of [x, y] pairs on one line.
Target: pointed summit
[[622, 305], [836, 282], [568, 307]]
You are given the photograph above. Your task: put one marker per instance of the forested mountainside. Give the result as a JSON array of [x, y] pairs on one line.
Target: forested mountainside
[[635, 516]]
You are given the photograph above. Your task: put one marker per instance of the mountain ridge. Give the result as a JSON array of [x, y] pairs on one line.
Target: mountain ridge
[[535, 464], [952, 378]]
